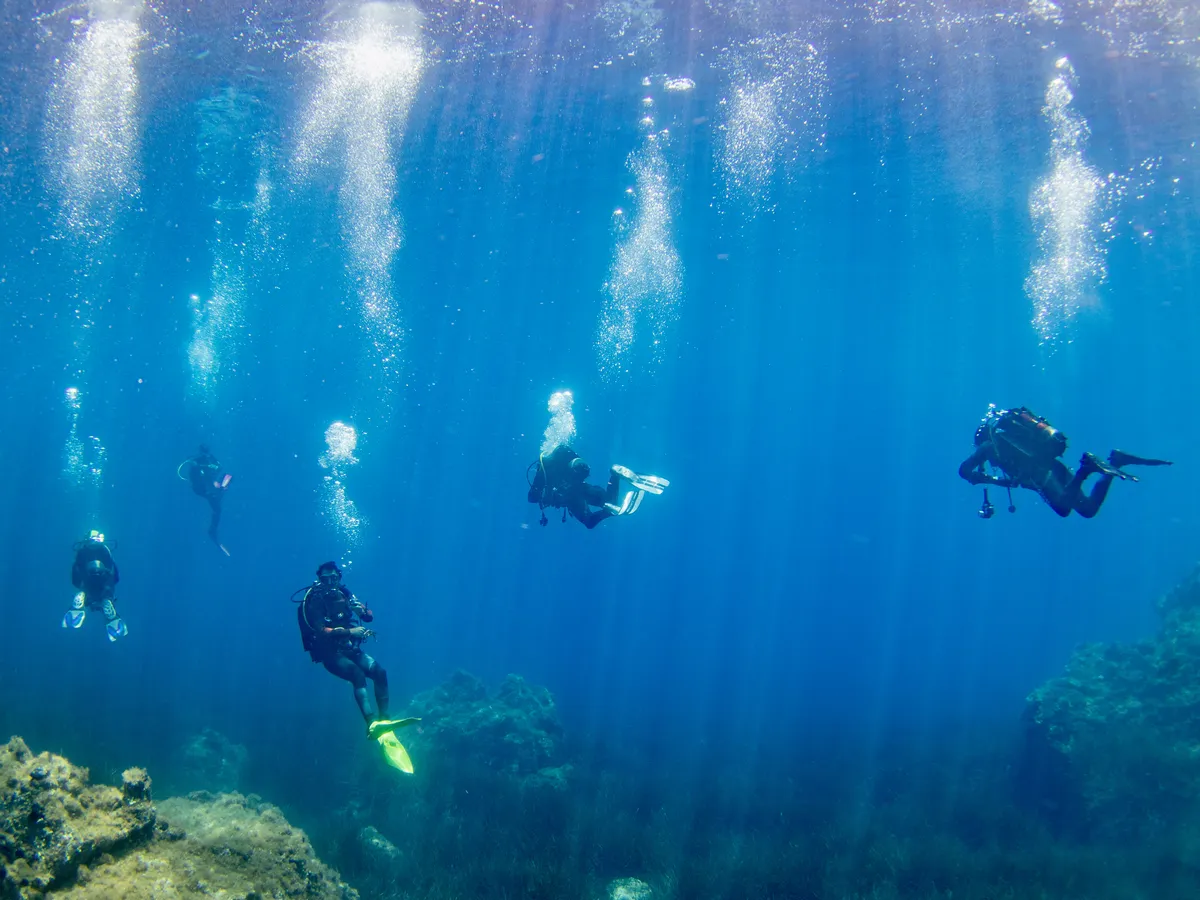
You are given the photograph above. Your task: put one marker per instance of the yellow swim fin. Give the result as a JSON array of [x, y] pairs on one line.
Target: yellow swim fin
[[397, 757], [381, 726]]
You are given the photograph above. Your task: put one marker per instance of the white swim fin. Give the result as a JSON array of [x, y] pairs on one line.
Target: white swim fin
[[651, 484]]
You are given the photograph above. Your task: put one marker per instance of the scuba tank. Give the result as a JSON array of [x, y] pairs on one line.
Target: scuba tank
[[1030, 434], [308, 634]]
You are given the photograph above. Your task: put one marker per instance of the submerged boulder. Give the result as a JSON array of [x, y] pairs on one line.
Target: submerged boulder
[[213, 761], [52, 821], [63, 837], [1113, 744], [514, 730], [629, 889]]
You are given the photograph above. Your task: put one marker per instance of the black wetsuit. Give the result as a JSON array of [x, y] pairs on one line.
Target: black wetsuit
[[97, 587], [1027, 465], [204, 473], [341, 655], [556, 484]]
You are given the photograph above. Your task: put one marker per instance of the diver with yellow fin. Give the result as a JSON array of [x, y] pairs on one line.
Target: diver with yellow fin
[[330, 618], [1026, 448]]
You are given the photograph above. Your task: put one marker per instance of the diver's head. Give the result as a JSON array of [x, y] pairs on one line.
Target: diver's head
[[96, 536], [329, 574], [95, 567], [580, 469]]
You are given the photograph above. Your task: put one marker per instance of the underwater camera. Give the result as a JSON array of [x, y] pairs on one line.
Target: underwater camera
[[986, 510]]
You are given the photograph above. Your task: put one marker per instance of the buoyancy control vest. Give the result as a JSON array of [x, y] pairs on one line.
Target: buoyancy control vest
[[1028, 434]]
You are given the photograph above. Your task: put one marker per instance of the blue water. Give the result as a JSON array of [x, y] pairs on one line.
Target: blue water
[[814, 585]]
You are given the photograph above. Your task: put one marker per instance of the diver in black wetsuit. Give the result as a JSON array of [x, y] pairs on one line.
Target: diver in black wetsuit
[[204, 474], [95, 575], [329, 617], [1026, 449], [561, 482]]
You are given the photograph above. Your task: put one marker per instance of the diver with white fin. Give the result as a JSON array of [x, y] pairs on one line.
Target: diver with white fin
[[561, 482], [95, 576], [1025, 448], [204, 474]]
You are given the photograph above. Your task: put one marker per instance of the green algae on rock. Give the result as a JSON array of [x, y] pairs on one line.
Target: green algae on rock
[[62, 837]]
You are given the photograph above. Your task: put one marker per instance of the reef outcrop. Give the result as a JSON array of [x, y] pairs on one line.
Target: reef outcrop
[[1113, 744], [213, 762], [61, 836], [514, 730], [492, 780]]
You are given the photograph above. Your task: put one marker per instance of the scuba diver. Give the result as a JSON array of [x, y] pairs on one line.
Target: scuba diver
[[561, 482], [95, 576], [204, 474], [1026, 448], [329, 616]]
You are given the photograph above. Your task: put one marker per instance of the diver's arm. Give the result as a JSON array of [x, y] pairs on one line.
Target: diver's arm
[[345, 632], [971, 468], [361, 608], [539, 484]]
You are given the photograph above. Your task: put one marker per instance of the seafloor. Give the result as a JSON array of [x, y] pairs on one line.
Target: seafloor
[[1098, 797]]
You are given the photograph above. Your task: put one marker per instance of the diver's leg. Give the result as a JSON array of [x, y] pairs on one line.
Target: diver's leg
[[580, 506], [593, 517], [378, 675], [1087, 505], [77, 613], [1072, 495], [614, 488], [1060, 488], [214, 522], [349, 671], [214, 501], [113, 626]]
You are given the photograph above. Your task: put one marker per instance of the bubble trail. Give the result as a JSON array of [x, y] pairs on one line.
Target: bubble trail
[[83, 457], [368, 73], [645, 282], [239, 241], [93, 133], [775, 116], [561, 429], [1066, 209], [341, 440], [92, 145]]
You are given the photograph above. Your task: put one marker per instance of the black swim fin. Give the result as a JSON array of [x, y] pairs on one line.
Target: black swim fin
[[1093, 463], [1120, 458]]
